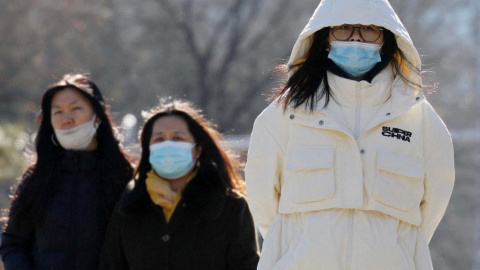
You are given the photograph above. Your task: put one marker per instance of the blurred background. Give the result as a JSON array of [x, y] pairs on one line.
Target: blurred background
[[221, 55]]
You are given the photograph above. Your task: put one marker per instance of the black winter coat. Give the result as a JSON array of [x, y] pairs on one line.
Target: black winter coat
[[208, 230], [72, 232]]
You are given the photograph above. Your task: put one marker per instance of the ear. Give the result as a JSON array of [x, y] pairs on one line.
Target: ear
[[97, 121], [198, 152], [329, 47]]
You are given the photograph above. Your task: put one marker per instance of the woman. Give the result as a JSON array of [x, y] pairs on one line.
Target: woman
[[350, 167], [186, 208], [61, 208]]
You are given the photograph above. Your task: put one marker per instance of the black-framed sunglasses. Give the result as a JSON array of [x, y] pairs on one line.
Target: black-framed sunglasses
[[369, 33]]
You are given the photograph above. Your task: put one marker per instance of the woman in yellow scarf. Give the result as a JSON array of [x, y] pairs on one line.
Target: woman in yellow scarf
[[186, 207]]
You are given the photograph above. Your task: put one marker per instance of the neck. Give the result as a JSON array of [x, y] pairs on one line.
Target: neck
[[93, 145], [359, 78], [176, 184]]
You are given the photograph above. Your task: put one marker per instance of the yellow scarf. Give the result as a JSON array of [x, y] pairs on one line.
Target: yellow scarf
[[161, 193]]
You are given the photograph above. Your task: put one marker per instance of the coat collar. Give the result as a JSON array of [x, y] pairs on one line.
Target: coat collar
[[349, 93], [204, 194]]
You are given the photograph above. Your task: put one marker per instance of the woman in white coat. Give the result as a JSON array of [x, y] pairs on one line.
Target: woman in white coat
[[350, 167]]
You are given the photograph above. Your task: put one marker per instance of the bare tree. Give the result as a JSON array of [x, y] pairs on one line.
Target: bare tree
[[45, 39], [224, 52]]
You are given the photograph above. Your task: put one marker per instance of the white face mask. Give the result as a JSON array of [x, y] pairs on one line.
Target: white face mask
[[79, 137]]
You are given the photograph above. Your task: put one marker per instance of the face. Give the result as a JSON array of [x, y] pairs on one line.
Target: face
[[356, 36], [173, 128], [70, 109]]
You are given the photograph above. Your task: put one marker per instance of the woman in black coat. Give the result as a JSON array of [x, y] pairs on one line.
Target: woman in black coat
[[186, 208], [61, 208]]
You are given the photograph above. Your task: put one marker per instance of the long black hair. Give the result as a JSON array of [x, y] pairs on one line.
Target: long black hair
[[39, 182], [213, 155], [310, 72]]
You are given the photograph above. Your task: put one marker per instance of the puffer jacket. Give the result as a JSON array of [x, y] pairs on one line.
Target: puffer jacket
[[361, 183], [72, 233]]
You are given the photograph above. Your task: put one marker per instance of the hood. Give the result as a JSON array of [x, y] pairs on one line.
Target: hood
[[337, 12]]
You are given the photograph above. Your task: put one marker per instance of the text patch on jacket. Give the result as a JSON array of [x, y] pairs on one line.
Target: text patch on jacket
[[396, 133]]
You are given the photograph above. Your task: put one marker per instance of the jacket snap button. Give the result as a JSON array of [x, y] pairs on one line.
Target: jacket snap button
[[388, 113], [166, 238], [320, 122], [362, 151], [292, 116]]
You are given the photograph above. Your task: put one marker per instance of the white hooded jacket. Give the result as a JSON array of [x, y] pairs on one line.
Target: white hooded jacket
[[360, 184]]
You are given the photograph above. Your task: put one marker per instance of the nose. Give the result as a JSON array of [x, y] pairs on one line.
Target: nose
[[67, 120], [356, 35]]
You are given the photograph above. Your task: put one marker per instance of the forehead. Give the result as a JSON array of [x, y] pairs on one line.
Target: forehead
[[68, 96], [170, 123]]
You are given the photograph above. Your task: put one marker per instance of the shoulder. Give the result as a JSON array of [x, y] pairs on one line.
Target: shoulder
[[272, 120], [134, 198], [275, 116], [27, 186], [236, 205], [237, 213], [236, 200], [274, 110], [434, 123], [206, 193]]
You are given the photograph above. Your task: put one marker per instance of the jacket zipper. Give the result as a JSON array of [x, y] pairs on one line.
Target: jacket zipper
[[348, 252], [358, 105], [356, 133]]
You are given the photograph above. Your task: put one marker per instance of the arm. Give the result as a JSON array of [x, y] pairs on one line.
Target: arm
[[16, 247], [263, 173], [439, 180], [242, 253], [113, 255], [439, 171]]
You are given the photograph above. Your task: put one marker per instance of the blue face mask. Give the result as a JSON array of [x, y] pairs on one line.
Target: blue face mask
[[355, 58], [171, 160]]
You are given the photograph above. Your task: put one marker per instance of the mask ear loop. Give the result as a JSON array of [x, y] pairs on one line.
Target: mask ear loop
[[95, 123], [197, 163], [54, 140], [329, 44]]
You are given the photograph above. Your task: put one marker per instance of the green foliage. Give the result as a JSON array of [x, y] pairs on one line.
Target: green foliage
[[13, 143]]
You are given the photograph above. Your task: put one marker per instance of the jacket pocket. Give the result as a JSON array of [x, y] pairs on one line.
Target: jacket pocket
[[399, 182], [309, 173]]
